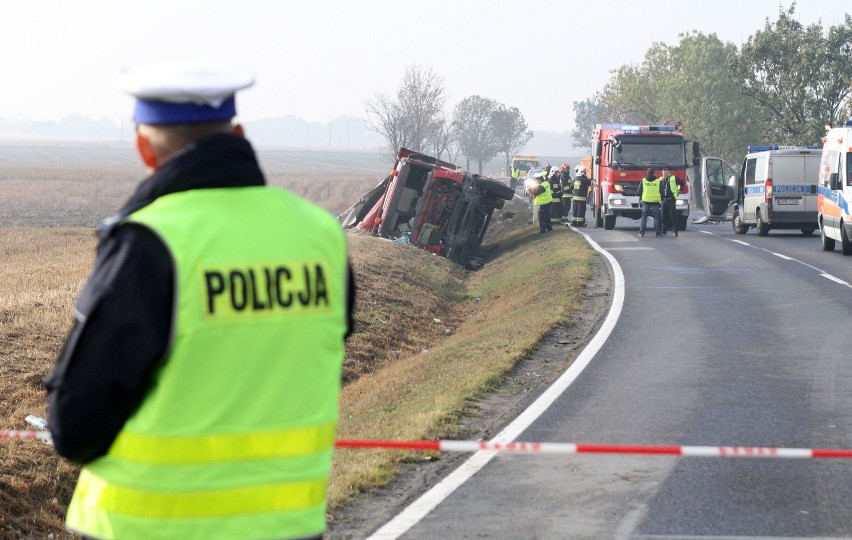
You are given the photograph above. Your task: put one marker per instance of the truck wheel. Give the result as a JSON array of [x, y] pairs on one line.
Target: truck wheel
[[681, 222], [827, 243], [598, 213], [609, 222], [737, 222], [807, 231], [845, 243], [762, 227]]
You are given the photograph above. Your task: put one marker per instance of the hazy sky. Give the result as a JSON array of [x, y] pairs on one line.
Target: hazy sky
[[318, 59]]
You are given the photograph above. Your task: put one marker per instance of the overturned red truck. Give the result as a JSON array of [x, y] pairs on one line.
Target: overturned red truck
[[621, 155], [431, 204]]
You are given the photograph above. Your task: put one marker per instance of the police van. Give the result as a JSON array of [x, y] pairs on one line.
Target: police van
[[775, 188], [834, 197]]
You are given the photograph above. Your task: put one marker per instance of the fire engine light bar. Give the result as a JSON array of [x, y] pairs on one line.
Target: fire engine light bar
[[661, 128], [631, 129], [848, 123]]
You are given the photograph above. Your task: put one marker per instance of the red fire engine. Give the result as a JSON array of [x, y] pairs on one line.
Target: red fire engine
[[621, 156]]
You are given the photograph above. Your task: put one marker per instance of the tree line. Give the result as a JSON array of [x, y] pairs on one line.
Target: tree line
[[479, 128], [784, 84]]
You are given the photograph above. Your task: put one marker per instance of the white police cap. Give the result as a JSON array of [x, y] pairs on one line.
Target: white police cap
[[183, 91]]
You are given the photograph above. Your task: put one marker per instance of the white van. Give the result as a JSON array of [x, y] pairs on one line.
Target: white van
[[776, 188], [835, 189]]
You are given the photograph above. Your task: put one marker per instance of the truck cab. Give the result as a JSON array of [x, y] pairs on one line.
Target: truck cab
[[774, 188], [834, 189]]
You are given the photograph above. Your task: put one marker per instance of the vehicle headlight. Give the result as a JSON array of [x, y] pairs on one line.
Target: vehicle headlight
[[618, 187], [680, 202]]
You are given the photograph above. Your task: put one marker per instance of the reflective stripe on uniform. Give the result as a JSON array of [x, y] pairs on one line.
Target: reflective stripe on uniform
[[222, 448], [208, 503]]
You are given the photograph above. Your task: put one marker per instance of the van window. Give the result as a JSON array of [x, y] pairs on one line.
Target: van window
[[848, 169], [751, 165]]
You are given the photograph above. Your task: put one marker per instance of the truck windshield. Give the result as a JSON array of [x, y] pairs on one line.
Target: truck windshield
[[644, 152]]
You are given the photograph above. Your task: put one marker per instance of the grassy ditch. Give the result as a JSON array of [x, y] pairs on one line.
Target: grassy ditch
[[533, 283]]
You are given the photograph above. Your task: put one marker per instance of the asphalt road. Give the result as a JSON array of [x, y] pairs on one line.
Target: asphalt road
[[723, 340]]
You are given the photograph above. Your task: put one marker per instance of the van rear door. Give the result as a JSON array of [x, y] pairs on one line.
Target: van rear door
[[717, 193], [794, 178]]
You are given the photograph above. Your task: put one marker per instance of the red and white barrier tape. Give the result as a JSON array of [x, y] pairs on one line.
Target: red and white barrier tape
[[31, 435], [556, 448], [568, 448]]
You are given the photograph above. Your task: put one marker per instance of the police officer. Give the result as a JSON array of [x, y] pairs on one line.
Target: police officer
[[515, 174], [671, 185], [650, 193], [542, 199], [199, 384], [579, 194]]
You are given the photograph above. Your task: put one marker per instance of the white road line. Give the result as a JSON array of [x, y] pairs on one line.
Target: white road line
[[713, 537], [427, 502], [834, 279], [785, 257]]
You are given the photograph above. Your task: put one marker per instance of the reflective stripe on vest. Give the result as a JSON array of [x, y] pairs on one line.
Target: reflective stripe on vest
[[651, 195], [232, 440], [545, 197]]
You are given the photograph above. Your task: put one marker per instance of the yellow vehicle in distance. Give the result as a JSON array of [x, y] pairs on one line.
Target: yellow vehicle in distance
[[525, 163]]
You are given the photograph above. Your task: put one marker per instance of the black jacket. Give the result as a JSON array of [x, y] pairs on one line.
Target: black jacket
[[123, 317]]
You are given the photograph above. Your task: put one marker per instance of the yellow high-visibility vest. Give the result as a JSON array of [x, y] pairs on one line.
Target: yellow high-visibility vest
[[235, 437], [651, 190], [546, 196]]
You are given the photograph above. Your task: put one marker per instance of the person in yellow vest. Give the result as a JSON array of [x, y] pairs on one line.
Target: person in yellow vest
[[671, 185], [542, 199], [650, 193], [198, 387], [515, 175]]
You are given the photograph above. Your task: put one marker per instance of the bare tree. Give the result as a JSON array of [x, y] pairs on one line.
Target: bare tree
[[442, 138], [410, 117], [510, 131], [473, 125]]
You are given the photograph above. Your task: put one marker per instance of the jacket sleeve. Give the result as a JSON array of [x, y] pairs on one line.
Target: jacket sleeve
[[120, 335]]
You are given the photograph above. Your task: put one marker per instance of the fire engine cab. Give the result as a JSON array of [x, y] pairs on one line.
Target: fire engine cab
[[834, 189], [621, 155]]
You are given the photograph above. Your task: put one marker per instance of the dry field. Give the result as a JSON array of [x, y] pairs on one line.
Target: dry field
[[51, 198]]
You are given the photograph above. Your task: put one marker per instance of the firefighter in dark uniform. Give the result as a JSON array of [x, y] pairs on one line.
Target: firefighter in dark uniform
[[567, 189], [556, 186], [199, 385], [579, 194]]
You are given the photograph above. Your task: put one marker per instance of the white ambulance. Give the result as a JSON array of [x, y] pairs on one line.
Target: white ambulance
[[835, 189], [775, 188]]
